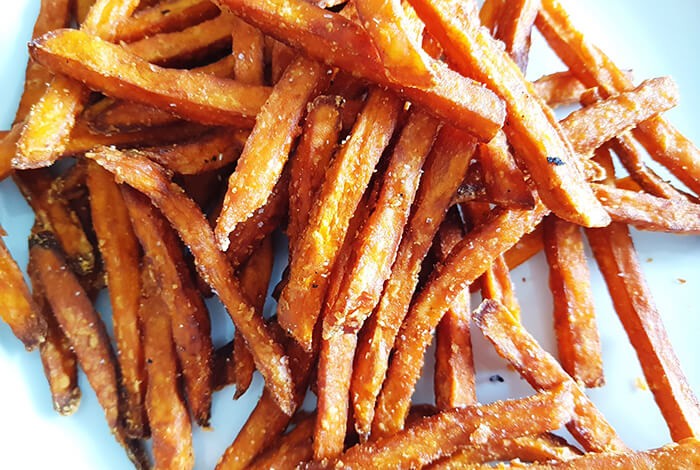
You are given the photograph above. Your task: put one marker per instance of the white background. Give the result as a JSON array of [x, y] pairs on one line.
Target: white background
[[652, 38]]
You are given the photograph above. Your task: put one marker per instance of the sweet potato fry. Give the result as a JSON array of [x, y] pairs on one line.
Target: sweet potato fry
[[169, 419], [559, 89], [81, 9], [317, 144], [614, 252], [543, 448], [19, 310], [527, 247], [189, 46], [292, 450], [58, 360], [116, 72], [444, 170], [578, 341], [647, 212], [120, 254], [589, 127], [52, 118], [467, 261], [8, 148], [224, 367], [166, 16], [248, 45], [55, 213], [338, 41], [267, 149], [313, 257], [442, 434], [531, 127], [188, 314], [514, 27], [490, 12], [193, 229], [454, 382], [543, 372], [664, 143], [504, 181], [389, 29]]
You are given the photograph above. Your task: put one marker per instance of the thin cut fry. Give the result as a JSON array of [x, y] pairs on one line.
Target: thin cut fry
[[81, 9], [467, 261], [120, 255], [442, 434], [171, 429], [527, 247], [559, 89], [514, 27], [664, 142], [531, 127], [490, 13], [19, 310], [338, 41], [591, 126], [292, 450], [188, 315], [166, 16], [116, 72], [8, 148], [189, 222], [578, 341], [248, 44], [314, 254], [543, 372], [267, 149], [443, 173], [504, 181]]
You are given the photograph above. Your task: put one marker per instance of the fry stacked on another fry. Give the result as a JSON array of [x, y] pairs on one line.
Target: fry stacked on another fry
[[408, 160]]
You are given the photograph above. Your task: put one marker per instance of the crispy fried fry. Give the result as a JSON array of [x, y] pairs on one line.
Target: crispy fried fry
[[589, 127], [578, 341], [331, 38], [292, 450], [531, 127], [527, 247], [81, 9], [8, 148], [504, 181], [467, 261], [317, 144], [514, 27], [104, 16], [248, 45], [664, 142], [444, 171], [120, 254], [116, 72], [313, 257], [442, 434], [267, 149], [559, 89], [196, 233], [165, 17], [188, 315], [647, 212], [224, 368], [171, 429], [19, 310], [454, 382], [543, 372], [490, 12]]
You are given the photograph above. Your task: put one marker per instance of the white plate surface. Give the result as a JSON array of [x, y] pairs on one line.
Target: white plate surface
[[652, 38]]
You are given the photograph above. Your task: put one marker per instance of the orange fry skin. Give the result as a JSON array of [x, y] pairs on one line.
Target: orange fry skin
[[338, 41], [467, 261], [531, 127], [171, 429], [293, 449], [504, 181], [444, 171], [19, 310], [526, 248], [267, 149], [559, 89], [442, 434], [196, 233], [543, 372], [248, 46], [578, 340], [116, 72], [490, 13], [120, 255], [514, 27], [315, 252]]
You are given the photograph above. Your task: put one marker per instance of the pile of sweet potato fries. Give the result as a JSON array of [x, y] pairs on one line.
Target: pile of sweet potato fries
[[409, 162]]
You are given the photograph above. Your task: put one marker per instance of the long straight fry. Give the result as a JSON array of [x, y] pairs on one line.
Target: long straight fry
[[578, 341], [543, 372], [267, 149], [595, 69], [467, 261], [149, 21], [193, 229], [333, 39], [444, 170], [315, 251], [531, 127], [120, 255]]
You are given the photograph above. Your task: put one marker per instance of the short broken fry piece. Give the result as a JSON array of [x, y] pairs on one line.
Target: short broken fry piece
[[504, 181], [514, 26], [559, 89]]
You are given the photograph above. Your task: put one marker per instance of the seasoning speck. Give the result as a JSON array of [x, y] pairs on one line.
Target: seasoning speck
[[555, 161], [496, 379]]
